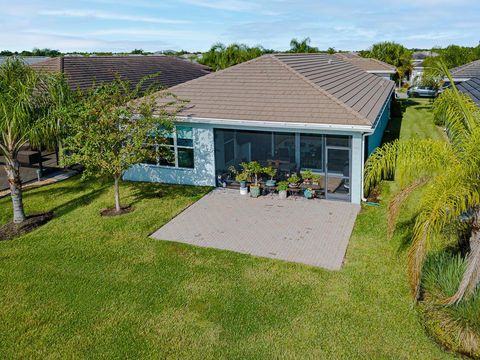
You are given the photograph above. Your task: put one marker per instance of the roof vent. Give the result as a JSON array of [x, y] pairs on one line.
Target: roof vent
[[329, 61]]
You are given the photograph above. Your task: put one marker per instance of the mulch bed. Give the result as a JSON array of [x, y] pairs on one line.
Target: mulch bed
[[113, 212], [11, 230]]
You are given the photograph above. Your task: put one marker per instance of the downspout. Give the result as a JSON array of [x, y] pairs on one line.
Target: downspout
[[364, 135]]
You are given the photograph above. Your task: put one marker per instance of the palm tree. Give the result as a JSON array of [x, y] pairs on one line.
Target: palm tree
[[220, 56], [24, 118], [302, 46], [449, 173], [393, 54]]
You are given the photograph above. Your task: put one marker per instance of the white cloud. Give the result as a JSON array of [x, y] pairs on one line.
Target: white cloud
[[230, 5], [109, 16]]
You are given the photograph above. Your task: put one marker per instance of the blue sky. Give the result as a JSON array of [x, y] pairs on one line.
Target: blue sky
[[122, 25]]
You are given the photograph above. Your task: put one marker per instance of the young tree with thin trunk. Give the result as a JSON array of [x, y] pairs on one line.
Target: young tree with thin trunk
[[114, 130], [25, 105], [448, 172]]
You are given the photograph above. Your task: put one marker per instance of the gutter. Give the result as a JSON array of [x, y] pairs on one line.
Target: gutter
[[275, 124]]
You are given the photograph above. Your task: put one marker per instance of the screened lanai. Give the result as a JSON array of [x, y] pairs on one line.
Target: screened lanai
[[289, 152]]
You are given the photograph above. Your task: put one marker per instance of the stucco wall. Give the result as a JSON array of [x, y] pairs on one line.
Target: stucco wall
[[203, 172], [204, 162]]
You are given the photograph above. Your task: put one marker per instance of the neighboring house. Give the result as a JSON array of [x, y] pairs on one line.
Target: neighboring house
[[82, 72], [292, 111], [30, 60], [369, 65], [471, 88], [418, 58], [466, 72]]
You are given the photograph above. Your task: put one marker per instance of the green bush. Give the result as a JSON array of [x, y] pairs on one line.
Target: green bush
[[457, 327]]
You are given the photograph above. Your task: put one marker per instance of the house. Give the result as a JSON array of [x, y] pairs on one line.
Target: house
[[471, 88], [294, 111], [369, 65], [466, 72], [466, 77], [82, 72], [27, 59], [418, 58]]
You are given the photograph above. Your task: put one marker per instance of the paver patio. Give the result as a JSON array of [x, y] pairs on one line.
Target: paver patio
[[313, 232]]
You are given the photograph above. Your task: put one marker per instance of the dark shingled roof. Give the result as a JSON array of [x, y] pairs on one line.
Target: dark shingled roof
[[467, 71], [296, 88], [471, 88], [82, 72]]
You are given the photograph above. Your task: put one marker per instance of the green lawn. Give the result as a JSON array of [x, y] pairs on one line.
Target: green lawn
[[86, 286]]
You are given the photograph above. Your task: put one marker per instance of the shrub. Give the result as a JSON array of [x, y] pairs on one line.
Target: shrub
[[457, 327]]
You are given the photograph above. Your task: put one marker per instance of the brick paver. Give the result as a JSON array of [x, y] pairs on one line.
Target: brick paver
[[313, 232]]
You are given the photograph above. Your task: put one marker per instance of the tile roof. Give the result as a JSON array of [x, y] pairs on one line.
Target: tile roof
[[82, 72], [471, 88], [296, 88], [467, 71], [367, 64], [27, 59]]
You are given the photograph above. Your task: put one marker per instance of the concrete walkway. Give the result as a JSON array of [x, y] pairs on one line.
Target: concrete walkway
[[313, 232]]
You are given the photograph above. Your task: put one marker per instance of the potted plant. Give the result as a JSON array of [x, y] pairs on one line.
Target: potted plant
[[271, 172], [242, 179], [253, 169], [309, 193], [282, 189], [293, 181], [307, 176], [316, 179]]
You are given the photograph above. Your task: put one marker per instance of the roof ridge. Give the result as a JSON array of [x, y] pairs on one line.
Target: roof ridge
[[465, 66], [323, 91], [215, 73], [383, 63]]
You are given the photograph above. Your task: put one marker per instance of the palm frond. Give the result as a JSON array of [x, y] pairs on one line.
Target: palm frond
[[395, 204]]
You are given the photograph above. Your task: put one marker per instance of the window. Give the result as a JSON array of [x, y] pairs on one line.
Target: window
[[311, 151], [180, 142]]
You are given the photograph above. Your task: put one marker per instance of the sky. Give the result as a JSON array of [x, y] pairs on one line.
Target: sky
[[194, 25]]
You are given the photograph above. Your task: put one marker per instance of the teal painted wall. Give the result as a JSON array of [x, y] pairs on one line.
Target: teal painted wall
[[375, 140], [202, 174]]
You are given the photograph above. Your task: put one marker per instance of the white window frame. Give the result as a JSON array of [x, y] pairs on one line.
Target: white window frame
[[175, 148]]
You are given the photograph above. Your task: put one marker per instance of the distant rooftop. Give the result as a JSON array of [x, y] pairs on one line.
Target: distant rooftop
[[467, 71], [30, 60], [83, 72]]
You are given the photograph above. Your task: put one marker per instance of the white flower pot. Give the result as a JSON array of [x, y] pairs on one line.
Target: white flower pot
[[244, 191], [282, 194]]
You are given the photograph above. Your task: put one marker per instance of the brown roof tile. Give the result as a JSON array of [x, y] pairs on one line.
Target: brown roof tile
[[297, 88], [367, 64], [82, 72]]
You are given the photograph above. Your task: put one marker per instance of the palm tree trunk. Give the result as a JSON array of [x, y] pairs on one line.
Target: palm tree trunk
[[117, 194], [12, 167], [471, 277]]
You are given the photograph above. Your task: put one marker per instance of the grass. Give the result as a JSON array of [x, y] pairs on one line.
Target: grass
[[87, 286]]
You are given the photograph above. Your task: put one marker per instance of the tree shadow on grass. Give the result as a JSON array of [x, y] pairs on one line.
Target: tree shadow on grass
[[399, 107], [82, 200], [404, 232], [140, 191]]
